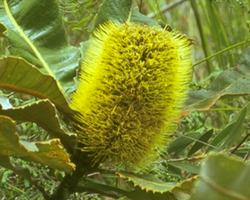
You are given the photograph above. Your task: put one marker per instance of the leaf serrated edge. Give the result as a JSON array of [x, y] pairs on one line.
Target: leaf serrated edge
[[58, 143], [175, 187]]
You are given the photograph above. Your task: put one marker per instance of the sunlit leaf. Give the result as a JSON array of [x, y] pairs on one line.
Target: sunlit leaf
[[18, 75], [43, 113]]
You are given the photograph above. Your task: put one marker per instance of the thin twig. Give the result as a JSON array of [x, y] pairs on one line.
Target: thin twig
[[247, 156], [200, 141], [223, 51], [201, 33], [241, 142], [192, 159], [166, 8], [140, 5]]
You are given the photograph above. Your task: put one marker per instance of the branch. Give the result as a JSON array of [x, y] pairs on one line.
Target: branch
[[67, 186], [70, 181], [166, 8]]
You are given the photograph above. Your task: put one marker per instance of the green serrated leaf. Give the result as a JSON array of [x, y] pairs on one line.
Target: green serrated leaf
[[182, 191], [49, 153], [151, 184], [223, 178], [43, 113], [139, 192], [13, 76], [147, 183]]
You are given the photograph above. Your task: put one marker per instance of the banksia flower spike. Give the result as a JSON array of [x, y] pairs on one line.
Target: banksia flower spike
[[132, 86]]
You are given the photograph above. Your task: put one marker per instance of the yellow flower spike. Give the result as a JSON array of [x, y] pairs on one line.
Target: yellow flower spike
[[132, 86]]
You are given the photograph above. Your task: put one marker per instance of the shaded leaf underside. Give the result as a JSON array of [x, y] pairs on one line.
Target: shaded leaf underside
[[49, 153]]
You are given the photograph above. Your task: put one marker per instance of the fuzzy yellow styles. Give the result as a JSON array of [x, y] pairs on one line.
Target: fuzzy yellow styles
[[133, 83]]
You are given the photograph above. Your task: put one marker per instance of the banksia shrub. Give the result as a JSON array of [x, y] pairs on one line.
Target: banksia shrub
[[132, 85]]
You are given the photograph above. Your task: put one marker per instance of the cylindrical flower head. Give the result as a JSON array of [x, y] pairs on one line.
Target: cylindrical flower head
[[132, 85]]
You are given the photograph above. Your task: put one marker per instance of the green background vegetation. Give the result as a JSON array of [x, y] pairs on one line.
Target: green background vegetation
[[53, 38]]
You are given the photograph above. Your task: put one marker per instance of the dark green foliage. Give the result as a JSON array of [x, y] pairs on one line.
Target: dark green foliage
[[41, 45]]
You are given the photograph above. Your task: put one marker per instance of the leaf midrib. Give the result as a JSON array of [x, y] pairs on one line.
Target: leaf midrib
[[31, 45]]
